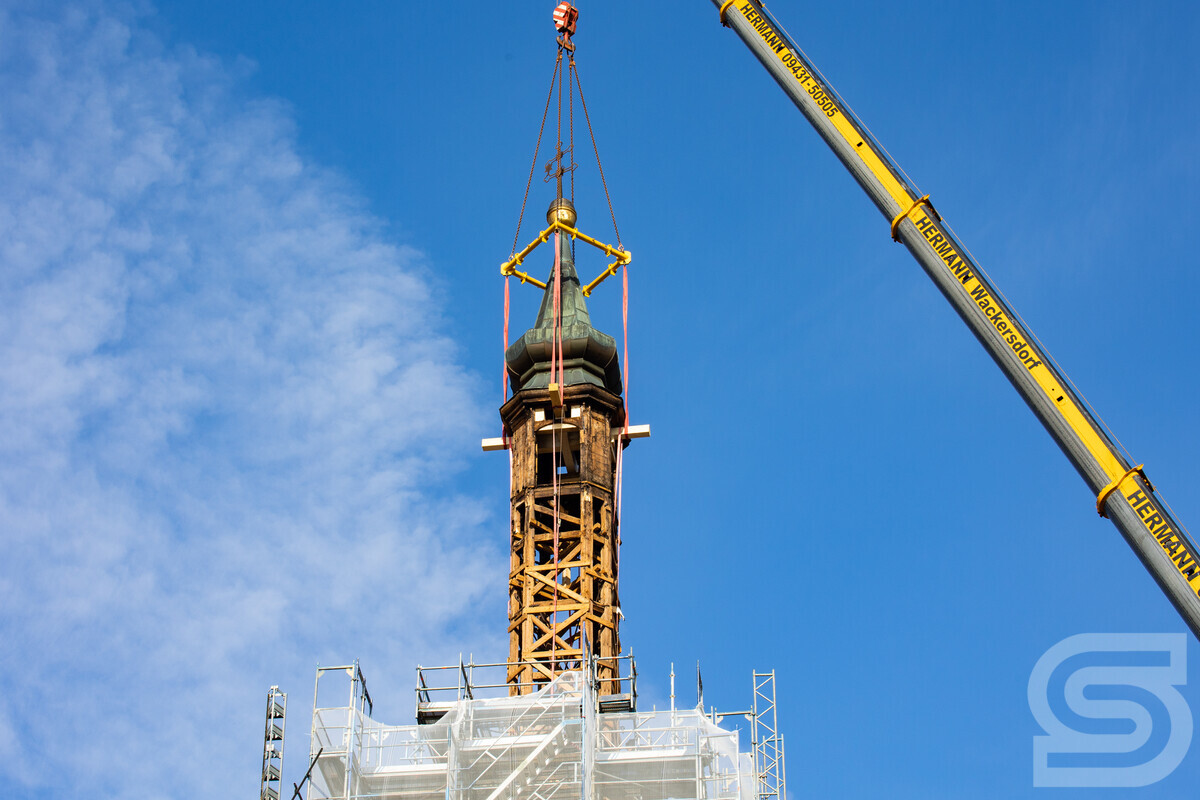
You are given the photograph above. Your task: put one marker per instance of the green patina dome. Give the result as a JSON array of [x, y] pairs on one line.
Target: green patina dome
[[589, 356]]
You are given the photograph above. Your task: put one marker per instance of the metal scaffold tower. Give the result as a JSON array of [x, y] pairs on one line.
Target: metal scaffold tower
[[767, 741], [272, 761]]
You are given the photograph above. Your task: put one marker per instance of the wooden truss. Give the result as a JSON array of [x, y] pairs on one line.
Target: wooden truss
[[564, 475]]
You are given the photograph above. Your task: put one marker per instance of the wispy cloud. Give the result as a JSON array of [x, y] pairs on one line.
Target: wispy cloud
[[212, 358]]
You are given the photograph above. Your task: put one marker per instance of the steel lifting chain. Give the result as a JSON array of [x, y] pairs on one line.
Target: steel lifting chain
[[536, 149]]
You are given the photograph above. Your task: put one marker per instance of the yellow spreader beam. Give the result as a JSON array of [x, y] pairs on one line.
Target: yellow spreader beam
[[623, 257]]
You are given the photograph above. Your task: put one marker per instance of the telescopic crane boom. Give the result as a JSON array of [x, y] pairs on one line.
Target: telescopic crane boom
[[1123, 494]]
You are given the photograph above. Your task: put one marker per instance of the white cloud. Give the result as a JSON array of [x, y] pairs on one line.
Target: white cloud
[[211, 359]]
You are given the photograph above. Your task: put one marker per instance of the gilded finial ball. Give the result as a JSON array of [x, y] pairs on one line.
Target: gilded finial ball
[[562, 210]]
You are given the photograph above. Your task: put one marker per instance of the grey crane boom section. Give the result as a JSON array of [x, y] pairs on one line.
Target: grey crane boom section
[[1123, 493]]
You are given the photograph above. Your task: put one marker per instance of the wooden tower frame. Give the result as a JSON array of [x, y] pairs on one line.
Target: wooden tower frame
[[563, 457]]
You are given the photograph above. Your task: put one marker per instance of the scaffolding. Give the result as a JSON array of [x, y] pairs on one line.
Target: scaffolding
[[272, 761], [556, 743], [440, 688], [767, 740]]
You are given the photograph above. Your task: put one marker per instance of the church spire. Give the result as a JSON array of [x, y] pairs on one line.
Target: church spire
[[589, 356]]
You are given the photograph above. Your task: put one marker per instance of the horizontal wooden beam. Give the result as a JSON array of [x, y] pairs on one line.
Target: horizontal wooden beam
[[633, 432]]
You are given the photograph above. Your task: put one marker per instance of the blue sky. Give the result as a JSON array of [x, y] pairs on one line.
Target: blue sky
[[251, 339]]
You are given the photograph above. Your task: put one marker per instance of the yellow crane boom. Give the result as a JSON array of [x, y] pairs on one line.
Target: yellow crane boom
[[1123, 494]]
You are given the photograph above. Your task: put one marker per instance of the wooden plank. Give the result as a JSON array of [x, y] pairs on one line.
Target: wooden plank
[[548, 608], [561, 588], [548, 510], [634, 432]]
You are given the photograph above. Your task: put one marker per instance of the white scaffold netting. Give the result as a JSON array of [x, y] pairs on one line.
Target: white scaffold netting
[[550, 745]]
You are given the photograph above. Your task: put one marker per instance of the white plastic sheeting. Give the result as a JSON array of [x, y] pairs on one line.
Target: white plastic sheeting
[[550, 745]]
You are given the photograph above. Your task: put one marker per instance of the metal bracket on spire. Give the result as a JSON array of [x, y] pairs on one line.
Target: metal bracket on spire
[[555, 168], [622, 257]]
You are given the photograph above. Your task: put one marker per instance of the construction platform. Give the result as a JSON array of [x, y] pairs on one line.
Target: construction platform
[[561, 741]]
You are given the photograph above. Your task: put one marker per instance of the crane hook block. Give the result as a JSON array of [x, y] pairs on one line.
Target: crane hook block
[[566, 16]]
